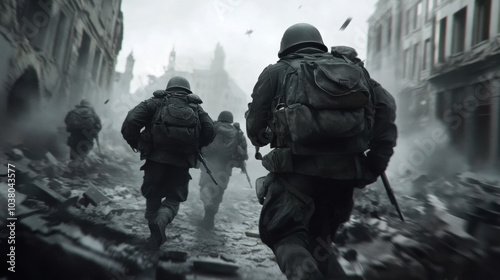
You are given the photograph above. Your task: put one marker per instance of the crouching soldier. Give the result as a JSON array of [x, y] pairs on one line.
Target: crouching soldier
[[84, 125]]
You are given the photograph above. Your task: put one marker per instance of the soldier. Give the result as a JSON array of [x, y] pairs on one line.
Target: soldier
[[84, 125], [318, 157], [228, 150], [176, 126]]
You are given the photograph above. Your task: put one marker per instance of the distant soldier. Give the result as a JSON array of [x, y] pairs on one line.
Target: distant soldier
[[175, 128], [84, 125], [228, 150]]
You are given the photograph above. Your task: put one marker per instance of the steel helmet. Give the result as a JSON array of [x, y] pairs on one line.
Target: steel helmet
[[179, 83], [225, 116], [298, 34], [85, 103]]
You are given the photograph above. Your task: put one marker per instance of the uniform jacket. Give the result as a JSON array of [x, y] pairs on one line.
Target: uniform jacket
[[382, 137], [141, 117]]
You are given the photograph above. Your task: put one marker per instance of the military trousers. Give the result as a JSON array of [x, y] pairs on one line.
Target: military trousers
[[211, 194], [299, 219], [165, 186]]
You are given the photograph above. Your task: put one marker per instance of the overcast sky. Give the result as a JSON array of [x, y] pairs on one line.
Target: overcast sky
[[153, 27]]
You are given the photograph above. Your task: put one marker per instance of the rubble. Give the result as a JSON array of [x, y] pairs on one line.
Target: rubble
[[96, 218]]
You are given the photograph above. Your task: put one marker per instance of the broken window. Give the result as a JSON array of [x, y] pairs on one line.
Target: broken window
[[34, 18], [61, 40], [482, 21], [83, 52], [459, 20], [96, 65], [442, 40], [426, 62]]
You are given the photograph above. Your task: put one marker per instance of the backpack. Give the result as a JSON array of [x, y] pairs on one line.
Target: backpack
[[79, 119], [176, 125], [325, 105], [225, 144]]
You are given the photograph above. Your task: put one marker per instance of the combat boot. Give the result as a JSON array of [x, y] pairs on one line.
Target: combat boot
[[208, 220], [155, 239]]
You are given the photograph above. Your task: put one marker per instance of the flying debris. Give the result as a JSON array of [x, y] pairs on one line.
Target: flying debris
[[106, 102], [249, 32], [300, 7], [346, 23]]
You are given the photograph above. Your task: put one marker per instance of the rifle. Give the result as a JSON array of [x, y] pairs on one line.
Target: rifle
[[202, 160], [98, 145], [244, 170], [391, 196]]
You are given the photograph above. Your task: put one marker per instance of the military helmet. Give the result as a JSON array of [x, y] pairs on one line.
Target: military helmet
[[300, 33], [85, 103], [178, 82], [225, 116]]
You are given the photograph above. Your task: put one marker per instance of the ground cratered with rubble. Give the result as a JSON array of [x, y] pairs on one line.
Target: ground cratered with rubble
[[90, 225]]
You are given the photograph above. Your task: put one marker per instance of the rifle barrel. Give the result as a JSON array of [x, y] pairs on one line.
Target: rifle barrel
[[392, 198]]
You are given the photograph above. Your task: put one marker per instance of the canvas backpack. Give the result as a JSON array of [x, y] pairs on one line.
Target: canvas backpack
[[325, 105], [79, 119], [176, 125], [225, 144]]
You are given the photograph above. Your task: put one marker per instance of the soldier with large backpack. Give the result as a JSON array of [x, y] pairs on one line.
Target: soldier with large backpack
[[175, 128], [84, 125], [332, 129], [228, 150]]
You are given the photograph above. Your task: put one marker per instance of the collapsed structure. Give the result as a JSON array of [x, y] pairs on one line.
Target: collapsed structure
[[54, 53], [441, 59]]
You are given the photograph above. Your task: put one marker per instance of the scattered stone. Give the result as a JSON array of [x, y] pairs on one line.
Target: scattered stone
[[40, 191], [350, 255], [94, 196], [212, 266], [51, 159], [15, 154], [173, 271], [251, 234], [174, 256], [227, 258]]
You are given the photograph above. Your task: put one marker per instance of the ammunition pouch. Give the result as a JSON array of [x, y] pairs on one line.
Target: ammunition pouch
[[278, 160], [145, 143]]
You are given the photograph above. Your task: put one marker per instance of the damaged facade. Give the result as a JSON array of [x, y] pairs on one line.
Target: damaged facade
[[215, 86], [54, 53], [441, 59]]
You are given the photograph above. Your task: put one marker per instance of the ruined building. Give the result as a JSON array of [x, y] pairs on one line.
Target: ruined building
[[215, 86], [441, 60], [54, 53]]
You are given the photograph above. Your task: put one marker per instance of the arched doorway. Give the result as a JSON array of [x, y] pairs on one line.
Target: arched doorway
[[24, 97]]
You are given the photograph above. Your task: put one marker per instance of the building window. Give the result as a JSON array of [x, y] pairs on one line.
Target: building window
[[482, 21], [378, 38], [407, 21], [417, 15], [430, 8], [426, 63], [416, 67], [389, 30], [83, 52], [459, 20], [406, 63], [60, 43], [96, 65], [442, 40]]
